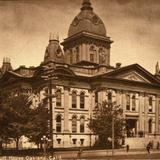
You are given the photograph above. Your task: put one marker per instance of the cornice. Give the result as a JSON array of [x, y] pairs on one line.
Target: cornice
[[87, 38]]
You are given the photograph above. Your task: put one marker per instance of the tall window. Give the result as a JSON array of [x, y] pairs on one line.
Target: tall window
[[91, 57], [82, 120], [150, 104], [150, 126], [77, 54], [71, 56], [92, 53], [58, 123], [82, 100], [96, 97], [58, 98], [133, 103], [74, 99], [74, 124], [127, 102], [82, 141], [109, 96]]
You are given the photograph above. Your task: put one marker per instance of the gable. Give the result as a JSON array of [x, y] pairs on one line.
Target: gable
[[133, 76], [134, 73]]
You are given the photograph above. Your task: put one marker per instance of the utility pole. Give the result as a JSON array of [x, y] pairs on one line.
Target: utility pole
[[51, 111], [49, 78]]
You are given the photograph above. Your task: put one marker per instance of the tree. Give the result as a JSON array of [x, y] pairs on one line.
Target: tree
[[38, 124], [20, 111], [101, 124], [5, 114]]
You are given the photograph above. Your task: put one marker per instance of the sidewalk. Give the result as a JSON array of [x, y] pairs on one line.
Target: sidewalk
[[103, 153]]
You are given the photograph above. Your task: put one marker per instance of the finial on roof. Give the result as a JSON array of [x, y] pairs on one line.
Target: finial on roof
[[86, 5], [54, 37], [157, 68]]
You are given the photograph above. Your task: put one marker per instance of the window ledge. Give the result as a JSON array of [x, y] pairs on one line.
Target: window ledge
[[78, 109]]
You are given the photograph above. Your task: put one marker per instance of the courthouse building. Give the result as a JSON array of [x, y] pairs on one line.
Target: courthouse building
[[81, 77]]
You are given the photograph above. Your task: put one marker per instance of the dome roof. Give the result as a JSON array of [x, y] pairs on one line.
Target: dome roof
[[87, 21]]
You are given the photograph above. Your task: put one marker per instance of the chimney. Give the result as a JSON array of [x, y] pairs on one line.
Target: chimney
[[118, 65], [6, 65]]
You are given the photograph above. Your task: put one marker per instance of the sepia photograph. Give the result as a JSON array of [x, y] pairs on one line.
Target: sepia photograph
[[79, 79]]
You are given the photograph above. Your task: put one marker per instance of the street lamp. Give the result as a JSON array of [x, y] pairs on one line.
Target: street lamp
[[45, 141]]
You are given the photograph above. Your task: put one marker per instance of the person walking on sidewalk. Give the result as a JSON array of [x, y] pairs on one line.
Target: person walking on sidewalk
[[127, 148], [79, 153], [157, 145], [148, 148]]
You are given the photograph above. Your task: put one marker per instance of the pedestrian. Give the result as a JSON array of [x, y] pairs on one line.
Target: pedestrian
[[148, 148], [127, 148], [79, 153], [157, 145]]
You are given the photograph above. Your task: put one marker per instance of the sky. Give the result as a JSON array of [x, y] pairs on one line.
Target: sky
[[133, 25]]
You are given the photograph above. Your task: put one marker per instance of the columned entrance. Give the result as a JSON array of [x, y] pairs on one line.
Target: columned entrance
[[131, 127]]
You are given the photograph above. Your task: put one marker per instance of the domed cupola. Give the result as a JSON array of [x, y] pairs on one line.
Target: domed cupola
[[87, 21], [53, 50], [87, 40]]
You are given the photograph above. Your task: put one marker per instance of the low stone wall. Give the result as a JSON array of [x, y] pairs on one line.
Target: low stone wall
[[142, 142]]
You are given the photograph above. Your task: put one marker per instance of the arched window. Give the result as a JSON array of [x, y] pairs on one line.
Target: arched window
[[82, 120], [150, 126], [74, 99], [110, 97], [58, 98], [82, 100], [150, 104], [74, 124], [128, 102], [133, 103], [58, 123]]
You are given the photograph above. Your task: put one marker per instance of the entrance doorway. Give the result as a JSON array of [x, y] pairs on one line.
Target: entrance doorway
[[131, 127]]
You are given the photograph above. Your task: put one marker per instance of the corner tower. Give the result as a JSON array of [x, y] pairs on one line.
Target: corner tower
[[87, 38], [53, 51]]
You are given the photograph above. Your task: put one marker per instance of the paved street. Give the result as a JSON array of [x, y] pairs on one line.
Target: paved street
[[95, 154], [107, 154]]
